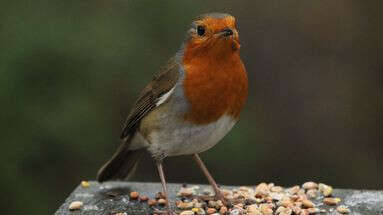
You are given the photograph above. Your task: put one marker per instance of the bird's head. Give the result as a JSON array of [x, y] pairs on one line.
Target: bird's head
[[212, 33]]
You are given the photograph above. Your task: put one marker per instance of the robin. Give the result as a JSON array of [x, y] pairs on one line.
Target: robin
[[190, 105]]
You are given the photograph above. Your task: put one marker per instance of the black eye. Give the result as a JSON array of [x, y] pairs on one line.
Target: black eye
[[200, 30]]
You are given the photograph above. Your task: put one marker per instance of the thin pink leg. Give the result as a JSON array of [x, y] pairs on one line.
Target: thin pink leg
[[218, 194], [164, 189]]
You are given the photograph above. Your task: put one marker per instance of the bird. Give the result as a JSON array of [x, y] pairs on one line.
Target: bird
[[190, 104]]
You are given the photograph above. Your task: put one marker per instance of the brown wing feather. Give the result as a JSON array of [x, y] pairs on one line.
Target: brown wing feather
[[162, 83], [124, 160]]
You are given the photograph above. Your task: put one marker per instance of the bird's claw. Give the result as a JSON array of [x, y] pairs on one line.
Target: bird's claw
[[219, 196]]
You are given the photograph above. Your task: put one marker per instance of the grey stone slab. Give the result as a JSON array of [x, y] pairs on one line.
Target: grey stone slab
[[112, 197]]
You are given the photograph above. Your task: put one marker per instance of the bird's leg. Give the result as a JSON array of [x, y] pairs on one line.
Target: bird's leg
[[218, 193], [164, 189]]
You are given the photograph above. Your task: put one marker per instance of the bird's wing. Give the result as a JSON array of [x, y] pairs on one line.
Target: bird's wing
[[154, 94]]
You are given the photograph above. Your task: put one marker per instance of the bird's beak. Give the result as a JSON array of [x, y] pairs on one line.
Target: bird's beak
[[231, 34], [226, 32]]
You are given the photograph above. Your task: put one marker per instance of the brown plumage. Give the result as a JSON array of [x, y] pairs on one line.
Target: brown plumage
[[149, 96], [124, 160]]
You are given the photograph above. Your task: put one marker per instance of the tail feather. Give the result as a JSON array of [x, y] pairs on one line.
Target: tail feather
[[121, 165]]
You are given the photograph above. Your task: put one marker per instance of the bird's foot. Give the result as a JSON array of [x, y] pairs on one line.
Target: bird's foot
[[221, 197]]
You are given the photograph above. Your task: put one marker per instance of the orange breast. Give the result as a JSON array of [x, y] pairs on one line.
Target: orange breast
[[215, 83]]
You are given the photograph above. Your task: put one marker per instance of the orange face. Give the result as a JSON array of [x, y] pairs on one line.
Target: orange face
[[213, 32], [216, 82]]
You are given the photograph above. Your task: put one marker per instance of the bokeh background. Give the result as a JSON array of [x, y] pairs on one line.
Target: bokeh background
[[70, 71]]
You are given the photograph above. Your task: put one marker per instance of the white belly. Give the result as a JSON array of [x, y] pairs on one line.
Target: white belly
[[185, 138]]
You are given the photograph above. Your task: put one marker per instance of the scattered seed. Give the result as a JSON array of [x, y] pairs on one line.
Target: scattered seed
[[286, 202], [187, 213], [199, 204], [85, 184], [304, 212], [284, 211], [261, 190], [186, 192], [268, 199], [298, 204], [280, 209], [195, 210], [343, 209], [310, 185], [235, 212], [301, 197], [244, 188], [312, 193], [239, 206], [226, 192], [296, 209], [219, 204], [134, 195], [307, 203], [212, 204], [294, 197], [211, 210], [76, 205], [161, 201], [253, 210], [152, 202], [264, 199], [207, 191], [313, 210], [266, 209], [293, 190], [277, 189], [301, 192], [185, 205], [331, 201], [201, 211], [325, 189], [223, 210], [277, 196]]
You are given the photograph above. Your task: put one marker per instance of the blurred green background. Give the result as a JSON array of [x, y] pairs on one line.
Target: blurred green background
[[70, 71]]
